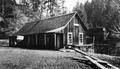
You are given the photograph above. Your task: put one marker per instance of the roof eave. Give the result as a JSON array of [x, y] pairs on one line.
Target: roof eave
[[85, 28]]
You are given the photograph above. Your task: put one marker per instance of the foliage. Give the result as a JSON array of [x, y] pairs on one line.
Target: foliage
[[18, 22], [41, 9], [14, 15], [6, 11], [103, 13]]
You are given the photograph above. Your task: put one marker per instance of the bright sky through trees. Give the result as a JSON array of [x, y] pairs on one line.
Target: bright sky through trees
[[70, 3]]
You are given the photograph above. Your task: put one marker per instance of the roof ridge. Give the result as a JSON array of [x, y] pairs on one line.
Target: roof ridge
[[51, 17], [58, 16], [37, 20]]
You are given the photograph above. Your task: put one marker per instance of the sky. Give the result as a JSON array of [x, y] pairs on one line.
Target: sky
[[72, 3], [69, 4]]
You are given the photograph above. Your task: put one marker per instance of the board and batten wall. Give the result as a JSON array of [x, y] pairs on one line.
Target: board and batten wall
[[39, 41], [75, 29]]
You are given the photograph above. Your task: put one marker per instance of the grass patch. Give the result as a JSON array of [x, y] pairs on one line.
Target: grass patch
[[12, 58]]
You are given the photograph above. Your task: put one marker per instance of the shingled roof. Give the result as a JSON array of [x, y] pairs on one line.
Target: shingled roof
[[42, 26]]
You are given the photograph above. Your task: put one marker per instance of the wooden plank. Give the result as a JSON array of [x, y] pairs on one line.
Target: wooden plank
[[84, 45], [101, 61], [96, 61]]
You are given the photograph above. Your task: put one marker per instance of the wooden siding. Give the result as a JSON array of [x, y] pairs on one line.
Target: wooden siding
[[39, 41], [74, 29]]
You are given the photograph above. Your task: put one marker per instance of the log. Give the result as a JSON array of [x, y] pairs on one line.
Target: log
[[96, 61]]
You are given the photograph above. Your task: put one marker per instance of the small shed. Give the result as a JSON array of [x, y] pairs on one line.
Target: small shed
[[51, 33]]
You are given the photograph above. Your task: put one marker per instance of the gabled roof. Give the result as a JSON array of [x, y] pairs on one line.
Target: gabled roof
[[45, 26]]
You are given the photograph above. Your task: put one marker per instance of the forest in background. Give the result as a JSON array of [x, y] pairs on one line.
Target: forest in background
[[105, 13], [13, 16], [98, 13]]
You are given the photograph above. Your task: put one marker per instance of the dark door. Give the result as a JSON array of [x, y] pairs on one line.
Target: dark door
[[50, 41], [32, 39], [40, 41], [59, 41]]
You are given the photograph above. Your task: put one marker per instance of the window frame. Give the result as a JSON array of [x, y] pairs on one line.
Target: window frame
[[69, 40], [81, 39]]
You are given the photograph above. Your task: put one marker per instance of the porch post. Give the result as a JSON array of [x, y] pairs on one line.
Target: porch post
[[64, 40], [45, 39], [55, 41], [28, 37], [36, 40]]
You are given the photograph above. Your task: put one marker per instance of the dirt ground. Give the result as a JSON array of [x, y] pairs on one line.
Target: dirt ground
[[14, 58]]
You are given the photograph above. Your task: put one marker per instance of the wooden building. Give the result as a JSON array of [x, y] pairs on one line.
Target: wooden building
[[51, 33]]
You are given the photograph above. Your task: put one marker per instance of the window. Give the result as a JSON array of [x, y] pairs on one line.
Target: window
[[80, 38], [70, 38]]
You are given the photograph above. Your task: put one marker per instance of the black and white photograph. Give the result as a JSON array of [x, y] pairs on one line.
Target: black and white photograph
[[59, 34]]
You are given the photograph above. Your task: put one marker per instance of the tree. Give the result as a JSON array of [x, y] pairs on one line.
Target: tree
[[102, 13], [6, 11], [14, 15], [40, 9]]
